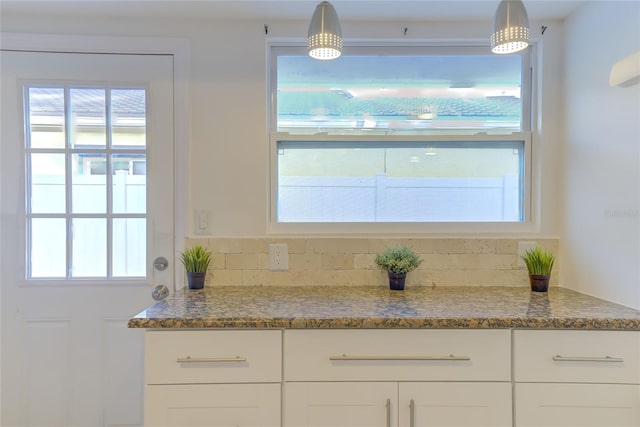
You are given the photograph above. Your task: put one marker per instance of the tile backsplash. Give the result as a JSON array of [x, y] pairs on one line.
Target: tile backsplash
[[325, 261]]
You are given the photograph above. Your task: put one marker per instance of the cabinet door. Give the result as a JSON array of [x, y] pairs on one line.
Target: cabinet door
[[455, 404], [577, 405], [348, 404], [209, 405]]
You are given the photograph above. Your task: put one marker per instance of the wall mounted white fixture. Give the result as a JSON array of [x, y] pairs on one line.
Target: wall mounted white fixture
[[325, 35], [510, 28], [626, 72]]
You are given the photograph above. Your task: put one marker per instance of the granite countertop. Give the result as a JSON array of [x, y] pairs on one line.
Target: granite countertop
[[378, 307]]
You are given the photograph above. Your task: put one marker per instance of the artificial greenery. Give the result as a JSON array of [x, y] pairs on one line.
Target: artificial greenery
[[196, 259], [399, 259], [539, 261]]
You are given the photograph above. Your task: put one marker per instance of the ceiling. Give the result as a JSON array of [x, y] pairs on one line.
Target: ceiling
[[348, 10]]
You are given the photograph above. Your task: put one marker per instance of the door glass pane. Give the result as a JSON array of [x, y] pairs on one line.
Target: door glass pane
[[128, 118], [48, 247], [89, 181], [104, 160], [129, 247], [129, 183], [47, 183], [89, 242], [46, 117], [414, 182], [88, 117]]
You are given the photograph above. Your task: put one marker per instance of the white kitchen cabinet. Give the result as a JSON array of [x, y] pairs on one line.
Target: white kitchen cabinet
[[348, 404], [199, 405], [455, 404], [577, 378], [395, 377], [418, 377], [584, 405], [577, 356], [397, 355], [213, 357], [213, 378], [420, 404]]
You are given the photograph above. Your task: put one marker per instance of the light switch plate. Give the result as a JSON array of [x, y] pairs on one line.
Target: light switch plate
[[201, 221]]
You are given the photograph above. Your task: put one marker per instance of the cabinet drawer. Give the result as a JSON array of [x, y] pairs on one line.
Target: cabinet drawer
[[596, 405], [202, 405], [577, 356], [397, 355], [197, 357]]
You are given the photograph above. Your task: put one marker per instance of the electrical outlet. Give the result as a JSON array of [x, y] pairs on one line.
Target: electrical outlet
[[278, 257], [522, 248]]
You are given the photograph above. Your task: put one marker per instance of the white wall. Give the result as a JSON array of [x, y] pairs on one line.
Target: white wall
[[588, 175], [600, 242], [229, 156]]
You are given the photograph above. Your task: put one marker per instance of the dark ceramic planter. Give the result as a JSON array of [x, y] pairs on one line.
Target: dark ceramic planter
[[539, 283], [196, 280], [396, 281]]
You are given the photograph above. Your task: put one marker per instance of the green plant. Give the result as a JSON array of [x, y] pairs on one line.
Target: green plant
[[195, 259], [539, 261], [399, 259]]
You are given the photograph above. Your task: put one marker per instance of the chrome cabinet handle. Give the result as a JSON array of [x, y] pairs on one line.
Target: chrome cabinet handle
[[558, 358], [345, 357], [388, 405], [412, 412], [190, 359]]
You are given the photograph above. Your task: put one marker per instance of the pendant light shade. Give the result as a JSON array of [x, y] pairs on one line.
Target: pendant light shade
[[325, 36], [510, 27]]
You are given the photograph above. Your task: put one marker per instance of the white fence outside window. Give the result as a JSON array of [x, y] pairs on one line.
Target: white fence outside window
[[385, 199], [89, 232]]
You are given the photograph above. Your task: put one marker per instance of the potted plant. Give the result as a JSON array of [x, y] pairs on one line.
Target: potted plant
[[539, 264], [196, 262], [397, 262]]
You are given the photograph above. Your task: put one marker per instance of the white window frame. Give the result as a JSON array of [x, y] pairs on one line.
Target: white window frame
[[530, 223]]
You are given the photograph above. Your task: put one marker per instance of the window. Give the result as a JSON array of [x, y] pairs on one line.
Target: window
[[85, 152], [400, 135]]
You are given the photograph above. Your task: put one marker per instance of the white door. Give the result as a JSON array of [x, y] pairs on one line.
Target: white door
[[87, 205], [442, 404], [335, 404], [213, 405]]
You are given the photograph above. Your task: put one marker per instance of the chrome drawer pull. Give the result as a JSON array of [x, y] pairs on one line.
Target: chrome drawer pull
[[412, 413], [190, 359], [559, 358], [388, 405], [344, 357]]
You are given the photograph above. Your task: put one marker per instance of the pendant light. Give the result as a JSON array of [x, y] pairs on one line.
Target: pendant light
[[510, 27], [325, 36]]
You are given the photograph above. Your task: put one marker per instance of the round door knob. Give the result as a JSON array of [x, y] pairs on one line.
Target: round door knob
[[161, 263], [160, 292]]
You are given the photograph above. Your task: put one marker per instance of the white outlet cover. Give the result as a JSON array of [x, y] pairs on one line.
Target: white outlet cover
[[278, 257], [522, 248]]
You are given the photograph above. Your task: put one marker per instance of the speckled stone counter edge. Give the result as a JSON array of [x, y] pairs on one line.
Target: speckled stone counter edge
[[378, 308], [373, 323]]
